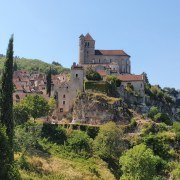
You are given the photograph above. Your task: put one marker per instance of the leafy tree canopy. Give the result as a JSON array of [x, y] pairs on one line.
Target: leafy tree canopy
[[36, 105], [139, 163], [108, 143]]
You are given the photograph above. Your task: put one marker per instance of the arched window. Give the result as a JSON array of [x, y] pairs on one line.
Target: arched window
[[76, 75]]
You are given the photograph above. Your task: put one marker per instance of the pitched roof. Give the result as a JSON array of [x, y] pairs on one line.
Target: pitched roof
[[102, 72], [130, 77], [111, 52], [88, 37], [18, 87]]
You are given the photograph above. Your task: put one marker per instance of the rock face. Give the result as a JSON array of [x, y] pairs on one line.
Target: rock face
[[97, 108]]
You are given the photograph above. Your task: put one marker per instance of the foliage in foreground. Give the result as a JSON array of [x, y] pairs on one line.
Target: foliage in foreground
[[139, 163]]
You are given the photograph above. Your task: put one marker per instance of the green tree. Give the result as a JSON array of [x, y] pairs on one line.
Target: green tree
[[37, 106], [138, 163], [15, 67], [176, 171], [26, 137], [6, 119], [7, 95], [108, 143], [112, 83], [56, 63], [21, 114], [48, 84], [92, 75]]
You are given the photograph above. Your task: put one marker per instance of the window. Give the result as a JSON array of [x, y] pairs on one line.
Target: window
[[61, 109], [76, 75], [64, 102], [64, 96], [88, 44], [99, 60]]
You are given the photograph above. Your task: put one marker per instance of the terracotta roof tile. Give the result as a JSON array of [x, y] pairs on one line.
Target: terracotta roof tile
[[111, 53], [18, 87], [102, 72], [129, 77]]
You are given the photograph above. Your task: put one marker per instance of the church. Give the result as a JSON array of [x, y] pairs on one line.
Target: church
[[112, 61]]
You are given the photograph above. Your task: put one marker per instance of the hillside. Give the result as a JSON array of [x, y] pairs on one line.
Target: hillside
[[35, 65]]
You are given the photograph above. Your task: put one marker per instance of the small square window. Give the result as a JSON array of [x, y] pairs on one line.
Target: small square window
[[61, 109]]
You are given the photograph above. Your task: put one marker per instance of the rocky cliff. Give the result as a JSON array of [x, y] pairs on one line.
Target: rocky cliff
[[97, 108]]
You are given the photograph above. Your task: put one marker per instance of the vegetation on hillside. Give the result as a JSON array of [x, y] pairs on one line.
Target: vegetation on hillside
[[35, 65]]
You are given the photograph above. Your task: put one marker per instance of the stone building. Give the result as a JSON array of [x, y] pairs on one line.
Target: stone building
[[115, 60], [66, 92]]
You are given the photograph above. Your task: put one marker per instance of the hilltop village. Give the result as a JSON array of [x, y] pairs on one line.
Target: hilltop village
[[92, 121], [67, 89]]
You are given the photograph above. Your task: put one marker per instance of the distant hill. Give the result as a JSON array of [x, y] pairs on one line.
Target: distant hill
[[35, 65]]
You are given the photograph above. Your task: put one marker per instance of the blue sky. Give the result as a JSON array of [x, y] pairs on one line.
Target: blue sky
[[149, 31]]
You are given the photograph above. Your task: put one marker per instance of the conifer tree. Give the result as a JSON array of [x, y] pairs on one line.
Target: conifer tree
[[7, 96], [15, 68], [48, 85], [7, 166]]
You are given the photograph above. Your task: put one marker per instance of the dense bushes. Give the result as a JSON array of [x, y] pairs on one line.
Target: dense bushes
[[54, 133], [162, 117], [156, 116], [80, 143], [147, 160]]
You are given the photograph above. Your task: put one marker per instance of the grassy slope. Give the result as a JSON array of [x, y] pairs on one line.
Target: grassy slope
[[55, 167], [34, 65]]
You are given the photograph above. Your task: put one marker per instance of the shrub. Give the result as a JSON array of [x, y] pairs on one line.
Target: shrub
[[152, 112], [93, 75], [138, 163], [80, 143], [54, 133], [162, 117], [92, 131]]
